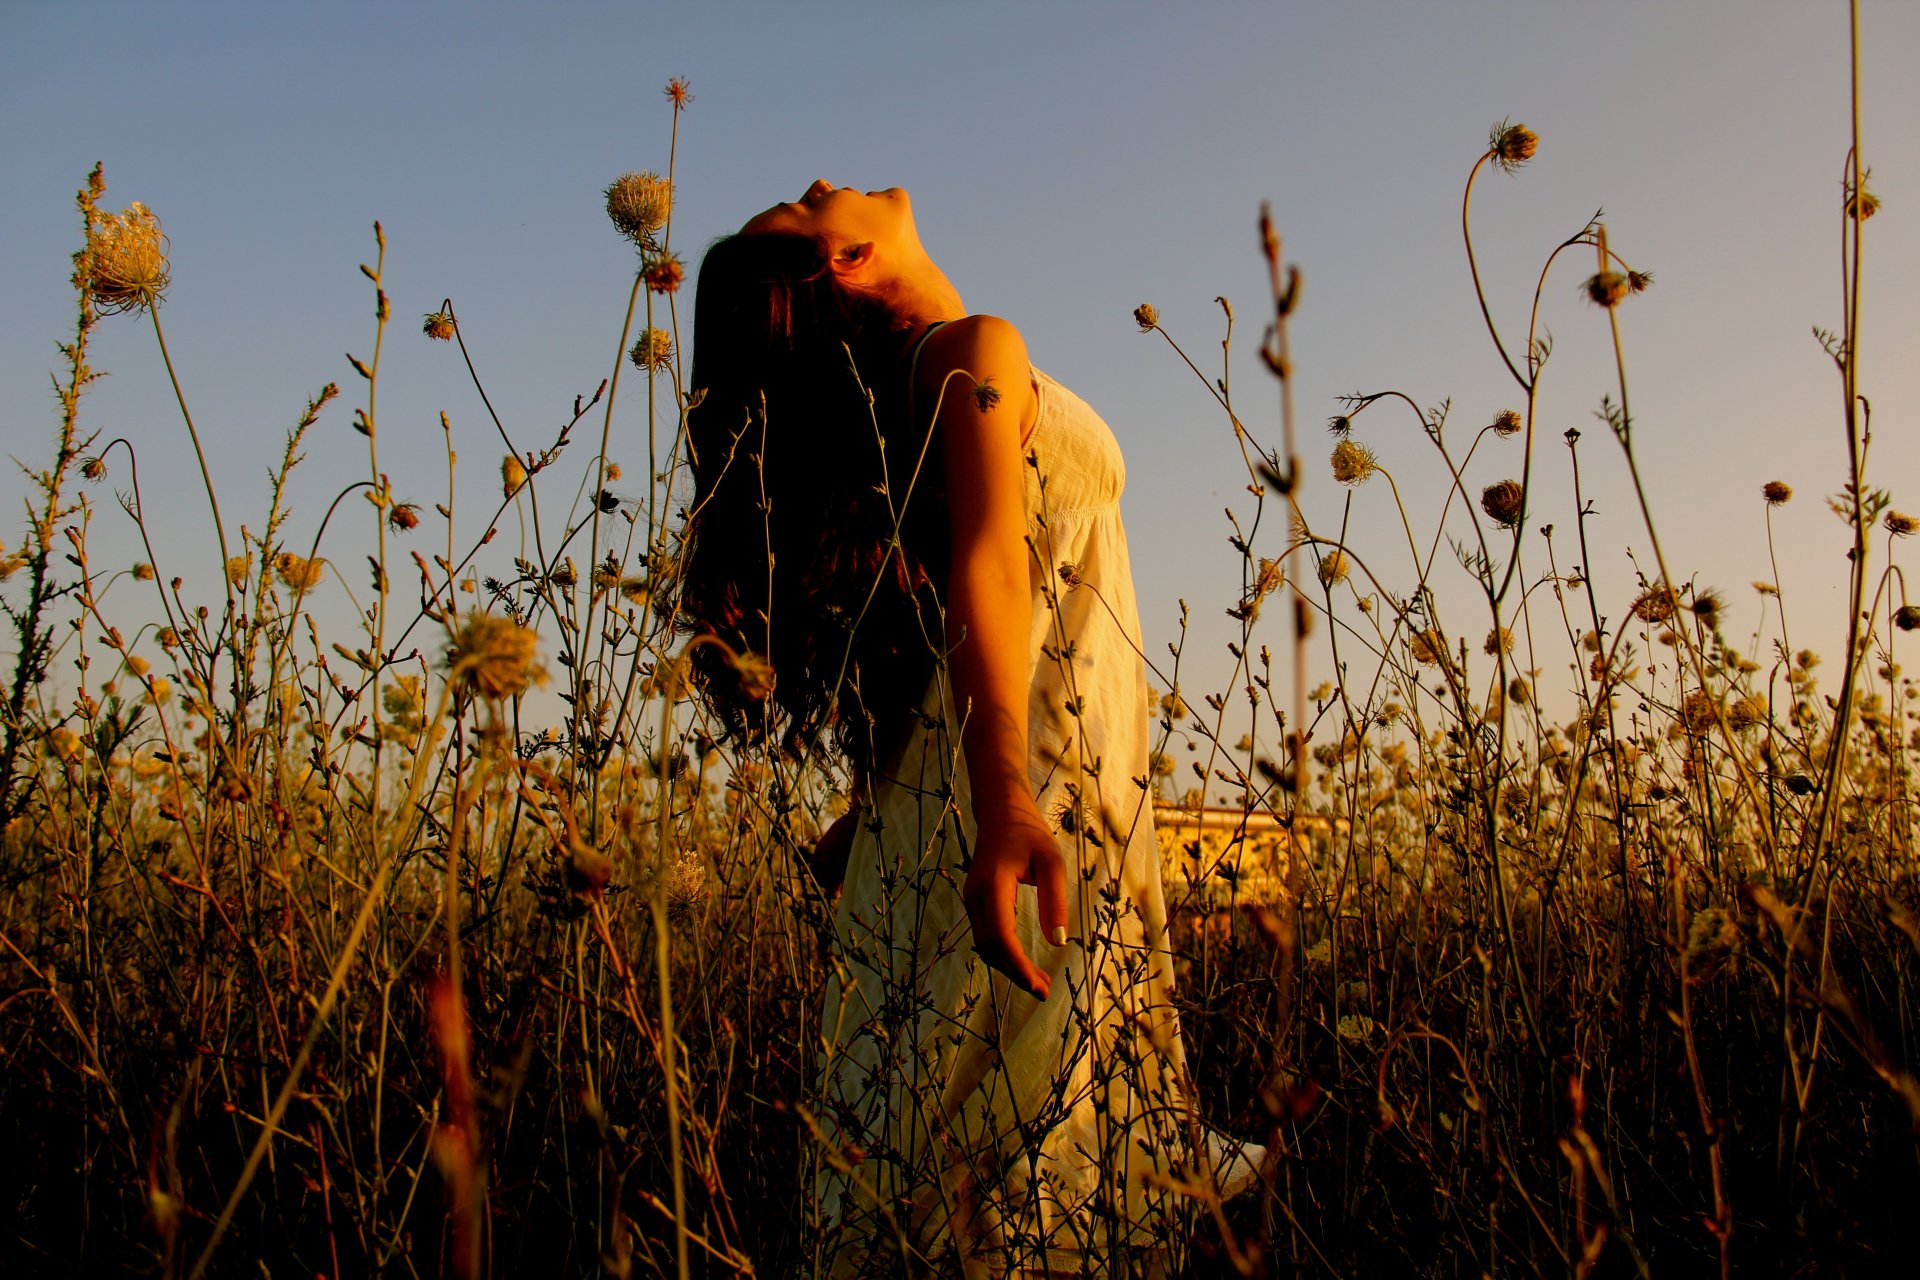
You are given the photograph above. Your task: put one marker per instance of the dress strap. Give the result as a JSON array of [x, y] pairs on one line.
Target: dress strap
[[913, 364]]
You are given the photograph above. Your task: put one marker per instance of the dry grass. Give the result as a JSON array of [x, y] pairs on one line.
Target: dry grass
[[323, 960]]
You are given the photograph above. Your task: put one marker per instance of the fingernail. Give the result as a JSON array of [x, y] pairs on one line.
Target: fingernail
[[1059, 935]]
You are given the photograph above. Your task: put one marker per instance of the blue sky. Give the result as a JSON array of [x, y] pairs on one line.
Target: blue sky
[[1067, 161]]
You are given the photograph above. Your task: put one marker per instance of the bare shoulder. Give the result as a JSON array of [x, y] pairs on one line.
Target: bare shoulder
[[979, 351]]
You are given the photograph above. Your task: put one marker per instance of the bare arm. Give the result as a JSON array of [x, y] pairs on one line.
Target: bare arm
[[989, 615]]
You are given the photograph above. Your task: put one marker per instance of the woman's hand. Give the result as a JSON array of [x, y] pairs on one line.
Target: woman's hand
[[1013, 848]]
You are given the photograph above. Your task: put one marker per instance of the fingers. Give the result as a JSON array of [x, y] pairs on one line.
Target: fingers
[[1049, 876], [991, 913]]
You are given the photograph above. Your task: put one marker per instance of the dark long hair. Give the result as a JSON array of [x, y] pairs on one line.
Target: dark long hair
[[805, 465]]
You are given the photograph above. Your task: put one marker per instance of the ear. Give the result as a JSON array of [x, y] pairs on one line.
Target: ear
[[852, 263]]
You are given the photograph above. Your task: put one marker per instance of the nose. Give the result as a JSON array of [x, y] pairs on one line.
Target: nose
[[819, 188]]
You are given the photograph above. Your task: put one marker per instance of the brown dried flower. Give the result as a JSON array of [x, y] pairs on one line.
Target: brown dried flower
[[1698, 711], [1427, 647], [405, 516], [1606, 288], [1506, 423], [93, 469], [1334, 568], [297, 572], [1907, 617], [639, 203], [652, 350], [664, 273], [1655, 604], [438, 325], [126, 260], [678, 93], [1353, 462], [1505, 503], [1512, 145], [1776, 492], [1901, 525], [513, 474], [1147, 316], [491, 657]]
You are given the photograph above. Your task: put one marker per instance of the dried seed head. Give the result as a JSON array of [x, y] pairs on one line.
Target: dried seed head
[[1639, 281], [678, 93], [1746, 712], [1506, 423], [1907, 617], [1334, 568], [1655, 604], [405, 516], [238, 567], [1776, 492], [755, 674], [513, 474], [298, 573], [143, 572], [1499, 640], [653, 350], [1901, 525], [1519, 691], [638, 204], [438, 325], [491, 657], [1353, 462], [1707, 606], [1698, 711], [1505, 503], [1766, 588], [1147, 316], [93, 469], [1427, 647], [1269, 578], [1606, 288], [1512, 145], [127, 260], [664, 274], [1341, 425], [1867, 202]]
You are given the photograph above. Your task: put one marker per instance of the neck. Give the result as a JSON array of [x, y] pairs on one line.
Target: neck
[[920, 293]]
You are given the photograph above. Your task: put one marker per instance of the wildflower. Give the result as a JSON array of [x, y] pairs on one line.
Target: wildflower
[[1901, 525], [126, 260], [1506, 423], [169, 638], [677, 93], [299, 573], [1268, 579], [143, 572], [1639, 281], [1776, 492], [1353, 462], [1519, 691], [635, 590], [1907, 617], [1512, 145], [652, 350], [664, 274], [1707, 606], [1745, 713], [1499, 640], [136, 664], [1711, 936], [1334, 568], [1069, 574], [1355, 1027], [985, 395], [405, 516], [1606, 288], [638, 204], [93, 469], [1766, 588], [1427, 647], [513, 474], [238, 567], [1698, 710], [1147, 316], [755, 673], [1504, 502], [491, 657], [1341, 425], [1655, 604], [438, 325], [66, 743]]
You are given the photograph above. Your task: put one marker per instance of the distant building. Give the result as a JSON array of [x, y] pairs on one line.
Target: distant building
[[1218, 857]]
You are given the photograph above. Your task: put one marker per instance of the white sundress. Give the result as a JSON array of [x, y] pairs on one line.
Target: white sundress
[[961, 1122]]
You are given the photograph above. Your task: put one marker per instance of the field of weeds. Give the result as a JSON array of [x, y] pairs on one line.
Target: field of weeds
[[447, 939]]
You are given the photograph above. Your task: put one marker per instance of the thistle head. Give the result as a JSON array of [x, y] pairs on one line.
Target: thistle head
[[1353, 462], [664, 273], [491, 657], [1900, 524], [1512, 145], [1505, 503], [438, 325], [638, 204], [653, 350], [1776, 492], [1506, 423]]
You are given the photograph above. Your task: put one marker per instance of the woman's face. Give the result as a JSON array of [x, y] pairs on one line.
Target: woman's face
[[841, 215]]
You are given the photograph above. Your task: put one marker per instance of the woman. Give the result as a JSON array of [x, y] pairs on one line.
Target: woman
[[921, 533]]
